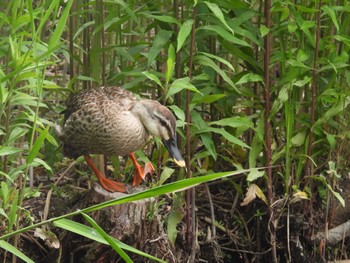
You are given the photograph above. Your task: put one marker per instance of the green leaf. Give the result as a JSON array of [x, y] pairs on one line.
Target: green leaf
[[4, 193], [297, 64], [331, 140], [7, 150], [324, 181], [38, 161], [108, 238], [336, 109], [302, 56], [225, 134], [305, 9], [255, 174], [264, 30], [180, 114], [303, 82], [174, 219], [92, 234], [284, 13], [337, 195], [205, 61], [235, 122], [218, 30], [3, 213], [153, 77], [218, 13], [166, 173], [8, 247], [221, 60], [8, 177], [54, 4], [13, 211], [207, 98], [161, 39], [330, 11], [250, 77], [209, 144], [82, 28], [170, 64], [184, 32], [257, 143], [343, 39], [86, 78], [127, 9], [37, 145], [177, 186], [165, 18], [20, 98], [292, 27], [60, 26], [179, 85], [299, 139]]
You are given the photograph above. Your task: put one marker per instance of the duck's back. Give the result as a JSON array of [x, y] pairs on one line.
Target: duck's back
[[99, 121]]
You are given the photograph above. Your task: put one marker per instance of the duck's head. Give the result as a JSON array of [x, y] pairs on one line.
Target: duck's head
[[159, 121]]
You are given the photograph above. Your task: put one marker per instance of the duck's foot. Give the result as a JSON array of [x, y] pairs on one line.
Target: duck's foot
[[140, 172], [111, 186], [108, 184]]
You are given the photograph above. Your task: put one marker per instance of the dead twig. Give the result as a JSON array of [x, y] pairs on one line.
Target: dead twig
[[49, 193], [212, 213]]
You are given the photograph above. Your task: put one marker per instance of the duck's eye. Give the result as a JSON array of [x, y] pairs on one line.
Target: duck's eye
[[163, 122]]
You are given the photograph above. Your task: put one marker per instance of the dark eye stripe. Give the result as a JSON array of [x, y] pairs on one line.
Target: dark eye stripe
[[166, 125]]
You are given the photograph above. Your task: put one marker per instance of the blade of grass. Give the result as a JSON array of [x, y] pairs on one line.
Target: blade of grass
[[108, 238], [37, 145], [8, 247], [90, 233], [157, 191], [56, 35]]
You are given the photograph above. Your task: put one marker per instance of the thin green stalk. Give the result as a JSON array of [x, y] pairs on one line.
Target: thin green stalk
[[32, 135], [308, 168]]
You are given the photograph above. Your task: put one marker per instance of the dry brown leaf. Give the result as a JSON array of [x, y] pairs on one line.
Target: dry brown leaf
[[49, 237], [253, 192]]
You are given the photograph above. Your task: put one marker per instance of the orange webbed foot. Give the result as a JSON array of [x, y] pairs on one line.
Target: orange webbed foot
[[107, 184], [111, 186], [141, 173]]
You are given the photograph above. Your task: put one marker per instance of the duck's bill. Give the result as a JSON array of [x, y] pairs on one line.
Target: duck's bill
[[171, 146]]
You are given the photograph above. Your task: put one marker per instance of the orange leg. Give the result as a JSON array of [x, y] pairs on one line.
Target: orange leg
[[106, 183], [140, 172]]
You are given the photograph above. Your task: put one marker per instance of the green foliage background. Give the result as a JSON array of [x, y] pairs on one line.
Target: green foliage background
[[204, 59]]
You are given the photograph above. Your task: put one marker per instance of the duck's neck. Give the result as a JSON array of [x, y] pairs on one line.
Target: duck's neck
[[144, 109]]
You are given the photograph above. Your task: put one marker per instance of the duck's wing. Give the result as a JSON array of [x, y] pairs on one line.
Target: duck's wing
[[123, 99], [76, 102]]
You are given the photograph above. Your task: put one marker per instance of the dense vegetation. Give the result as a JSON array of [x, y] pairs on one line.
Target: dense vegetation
[[258, 88]]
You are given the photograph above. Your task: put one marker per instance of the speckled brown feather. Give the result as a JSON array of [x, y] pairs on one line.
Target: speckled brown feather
[[100, 121]]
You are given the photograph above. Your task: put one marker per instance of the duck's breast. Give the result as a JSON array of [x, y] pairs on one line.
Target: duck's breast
[[123, 134]]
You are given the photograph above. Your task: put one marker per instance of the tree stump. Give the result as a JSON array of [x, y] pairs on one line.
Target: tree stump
[[130, 223]]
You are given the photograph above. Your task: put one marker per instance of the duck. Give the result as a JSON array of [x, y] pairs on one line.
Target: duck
[[113, 121]]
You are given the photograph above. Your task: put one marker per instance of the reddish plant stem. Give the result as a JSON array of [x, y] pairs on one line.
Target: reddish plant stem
[[189, 215], [178, 54], [268, 130]]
